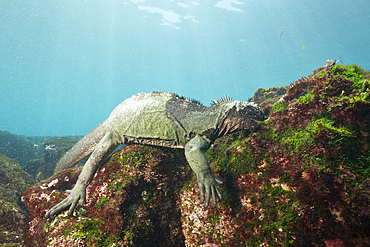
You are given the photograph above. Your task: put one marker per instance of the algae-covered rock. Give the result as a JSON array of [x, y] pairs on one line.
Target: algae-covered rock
[[35, 167], [134, 200], [302, 180], [267, 97], [13, 182]]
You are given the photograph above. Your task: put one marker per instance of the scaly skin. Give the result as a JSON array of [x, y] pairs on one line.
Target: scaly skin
[[159, 119]]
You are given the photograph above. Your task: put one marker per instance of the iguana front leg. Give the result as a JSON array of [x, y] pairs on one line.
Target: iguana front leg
[[97, 158], [195, 152]]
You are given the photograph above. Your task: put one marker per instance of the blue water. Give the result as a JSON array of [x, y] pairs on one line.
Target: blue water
[[65, 65]]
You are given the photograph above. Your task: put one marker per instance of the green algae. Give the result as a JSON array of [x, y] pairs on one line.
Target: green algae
[[90, 231], [306, 98], [279, 106]]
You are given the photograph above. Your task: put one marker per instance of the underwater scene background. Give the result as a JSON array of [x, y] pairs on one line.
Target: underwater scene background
[[302, 179], [66, 64]]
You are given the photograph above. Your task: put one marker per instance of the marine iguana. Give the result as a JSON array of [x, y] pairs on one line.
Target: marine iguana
[[159, 119]]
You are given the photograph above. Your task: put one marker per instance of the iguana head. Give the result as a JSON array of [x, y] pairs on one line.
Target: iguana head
[[239, 116]]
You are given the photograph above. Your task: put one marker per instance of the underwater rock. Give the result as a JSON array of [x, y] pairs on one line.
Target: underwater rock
[[135, 196], [19, 148], [54, 148], [35, 167], [302, 180], [267, 97], [13, 218]]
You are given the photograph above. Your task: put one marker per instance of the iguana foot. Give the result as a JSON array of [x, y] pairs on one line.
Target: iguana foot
[[208, 186], [76, 194]]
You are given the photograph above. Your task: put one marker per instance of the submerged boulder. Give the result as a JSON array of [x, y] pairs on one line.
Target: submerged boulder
[[302, 180], [267, 97], [54, 149], [19, 148], [133, 200]]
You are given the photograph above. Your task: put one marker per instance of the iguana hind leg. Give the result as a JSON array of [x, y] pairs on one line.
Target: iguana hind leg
[[97, 158]]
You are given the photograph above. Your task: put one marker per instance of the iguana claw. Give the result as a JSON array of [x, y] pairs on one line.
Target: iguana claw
[[76, 194], [208, 186]]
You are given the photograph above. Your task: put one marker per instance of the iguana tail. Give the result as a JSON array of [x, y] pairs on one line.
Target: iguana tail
[[82, 148]]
